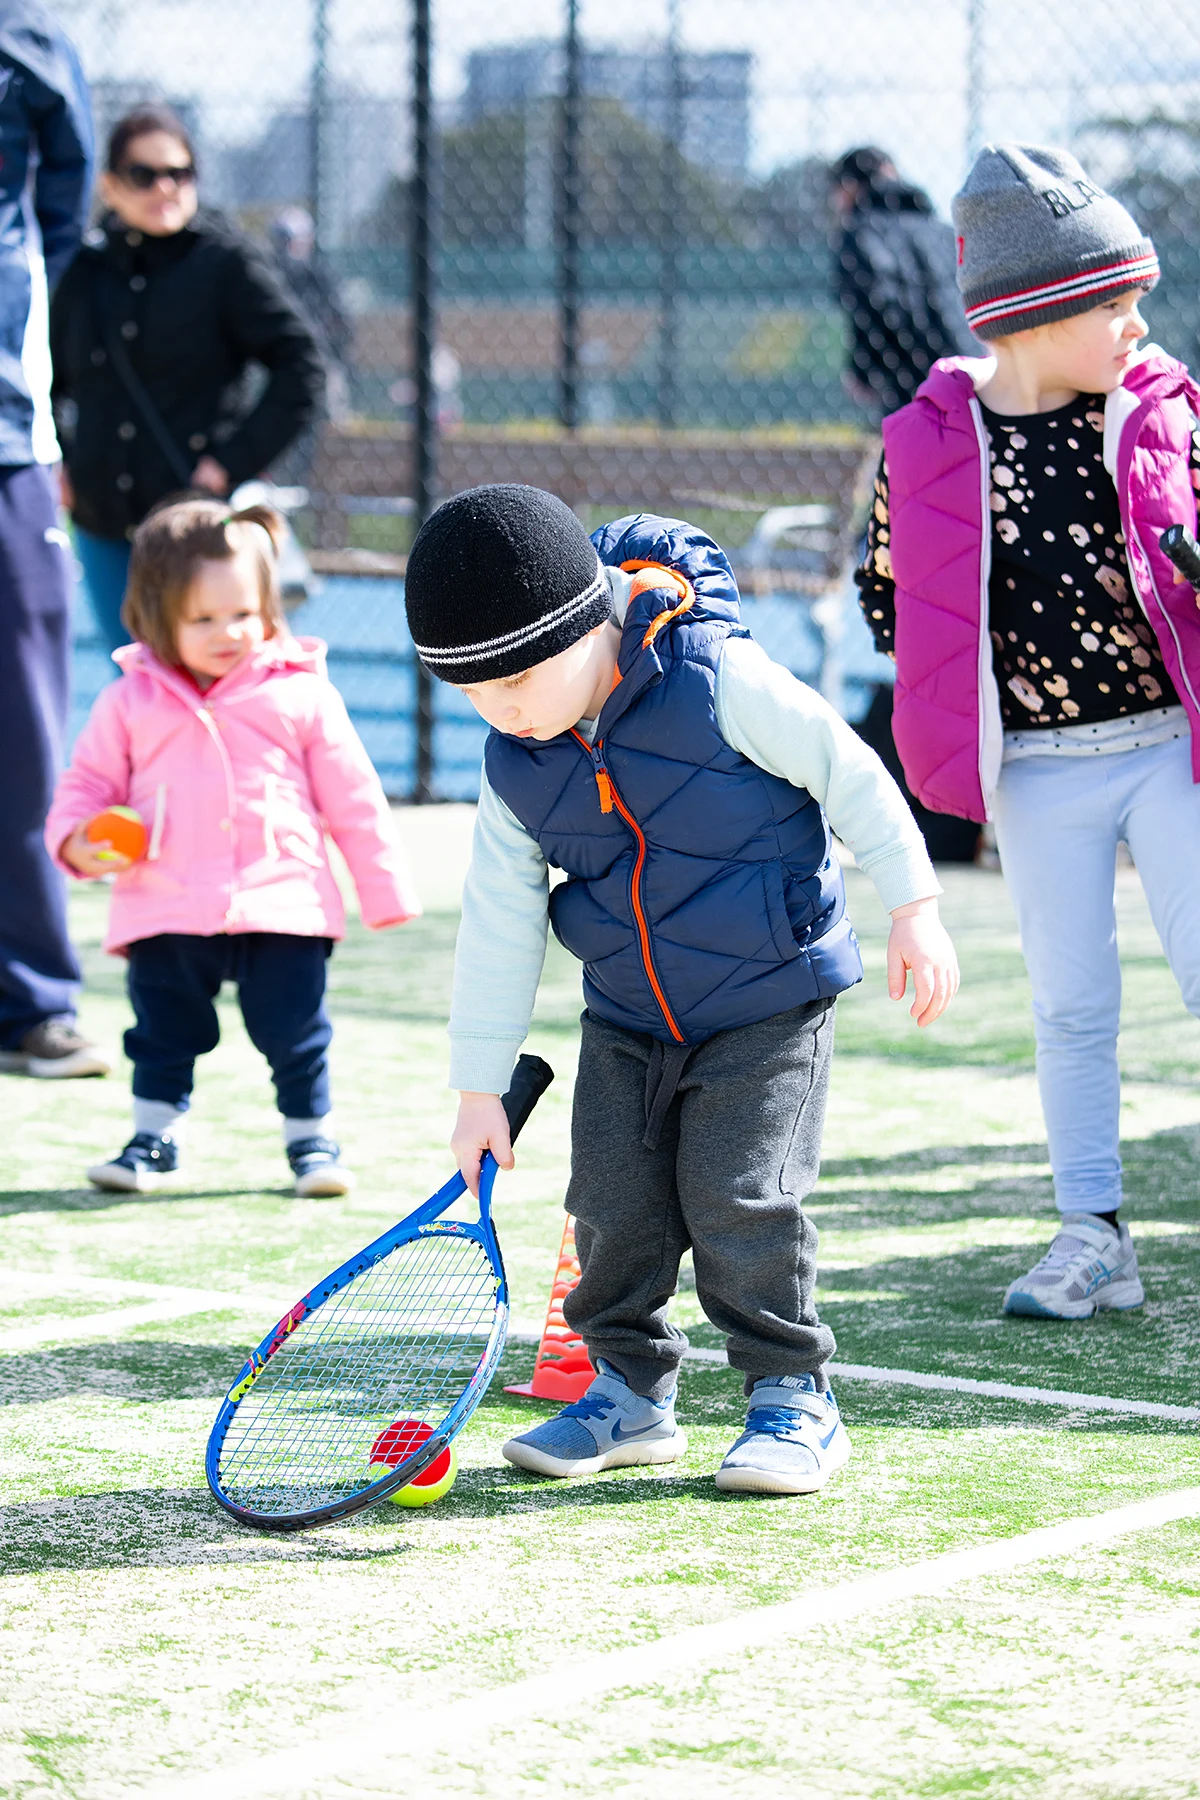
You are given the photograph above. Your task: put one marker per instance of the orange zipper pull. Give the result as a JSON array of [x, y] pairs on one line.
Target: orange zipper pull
[[605, 787]]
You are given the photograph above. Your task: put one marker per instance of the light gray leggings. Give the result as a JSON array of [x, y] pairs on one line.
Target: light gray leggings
[[1059, 820]]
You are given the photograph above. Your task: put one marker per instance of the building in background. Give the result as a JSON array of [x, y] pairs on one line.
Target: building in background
[[505, 78], [365, 143]]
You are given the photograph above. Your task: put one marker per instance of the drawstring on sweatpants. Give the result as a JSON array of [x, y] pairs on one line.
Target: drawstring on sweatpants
[[664, 1072]]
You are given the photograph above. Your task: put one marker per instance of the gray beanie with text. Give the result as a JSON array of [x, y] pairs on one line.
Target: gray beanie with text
[[1038, 241]]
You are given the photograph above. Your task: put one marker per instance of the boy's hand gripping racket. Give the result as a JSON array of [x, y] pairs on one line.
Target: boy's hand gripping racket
[[1183, 550], [410, 1329]]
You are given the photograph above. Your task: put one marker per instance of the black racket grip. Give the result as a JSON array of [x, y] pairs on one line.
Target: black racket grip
[[1183, 550], [531, 1078]]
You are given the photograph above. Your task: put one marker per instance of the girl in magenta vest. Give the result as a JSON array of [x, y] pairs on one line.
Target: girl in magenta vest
[[1047, 656]]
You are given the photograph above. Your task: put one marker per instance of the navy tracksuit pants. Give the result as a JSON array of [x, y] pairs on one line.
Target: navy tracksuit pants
[[39, 974], [174, 980]]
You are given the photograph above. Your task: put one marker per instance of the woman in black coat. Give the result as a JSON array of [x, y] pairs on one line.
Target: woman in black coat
[[894, 279], [154, 331]]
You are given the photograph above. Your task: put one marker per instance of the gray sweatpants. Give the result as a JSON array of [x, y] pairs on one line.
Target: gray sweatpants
[[715, 1148]]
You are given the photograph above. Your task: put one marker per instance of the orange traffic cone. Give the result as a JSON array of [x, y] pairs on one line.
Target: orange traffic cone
[[562, 1370]]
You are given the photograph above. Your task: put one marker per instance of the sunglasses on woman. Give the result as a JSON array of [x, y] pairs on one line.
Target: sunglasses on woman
[[143, 177]]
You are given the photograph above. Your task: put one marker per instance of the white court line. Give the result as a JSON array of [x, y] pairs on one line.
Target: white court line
[[180, 1303], [162, 1304], [1005, 1390], [993, 1390], [367, 1740]]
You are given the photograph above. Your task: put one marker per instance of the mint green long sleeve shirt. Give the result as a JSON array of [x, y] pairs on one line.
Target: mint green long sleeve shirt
[[764, 712]]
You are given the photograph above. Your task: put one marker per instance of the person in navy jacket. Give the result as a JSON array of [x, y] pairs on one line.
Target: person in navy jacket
[[45, 182]]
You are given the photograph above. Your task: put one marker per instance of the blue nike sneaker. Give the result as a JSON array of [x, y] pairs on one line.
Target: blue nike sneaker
[[793, 1442], [609, 1427]]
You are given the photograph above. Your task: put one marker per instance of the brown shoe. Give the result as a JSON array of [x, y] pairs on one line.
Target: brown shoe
[[55, 1051]]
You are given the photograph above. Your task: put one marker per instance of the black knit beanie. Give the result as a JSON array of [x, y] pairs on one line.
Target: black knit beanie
[[498, 579]]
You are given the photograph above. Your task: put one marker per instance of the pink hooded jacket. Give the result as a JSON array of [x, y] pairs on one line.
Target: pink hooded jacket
[[237, 787], [947, 709]]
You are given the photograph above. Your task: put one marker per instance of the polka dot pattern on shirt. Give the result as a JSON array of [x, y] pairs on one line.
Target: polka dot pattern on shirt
[[1071, 644]]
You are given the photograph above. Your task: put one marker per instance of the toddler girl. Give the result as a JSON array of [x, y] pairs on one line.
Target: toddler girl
[[1047, 656], [228, 739]]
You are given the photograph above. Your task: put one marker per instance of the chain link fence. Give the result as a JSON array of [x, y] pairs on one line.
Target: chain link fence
[[623, 211]]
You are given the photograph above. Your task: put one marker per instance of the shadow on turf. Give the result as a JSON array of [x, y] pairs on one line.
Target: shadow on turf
[[139, 1370], [161, 1528], [87, 1200], [1177, 1142], [184, 1527]]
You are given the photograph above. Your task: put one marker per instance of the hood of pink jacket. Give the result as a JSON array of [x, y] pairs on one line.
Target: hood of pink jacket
[[946, 720], [238, 787], [302, 654]]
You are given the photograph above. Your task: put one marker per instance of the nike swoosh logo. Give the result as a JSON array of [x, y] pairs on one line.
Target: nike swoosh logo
[[826, 1441], [618, 1436]]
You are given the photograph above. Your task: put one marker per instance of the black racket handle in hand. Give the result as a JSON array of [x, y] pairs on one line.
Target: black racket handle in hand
[[531, 1078], [1183, 550]]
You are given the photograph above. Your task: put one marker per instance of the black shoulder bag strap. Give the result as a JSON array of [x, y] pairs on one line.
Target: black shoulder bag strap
[[132, 382]]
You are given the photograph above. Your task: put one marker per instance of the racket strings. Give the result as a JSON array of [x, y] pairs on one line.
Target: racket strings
[[402, 1340]]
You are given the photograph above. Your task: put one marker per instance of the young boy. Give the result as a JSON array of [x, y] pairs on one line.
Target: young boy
[[1047, 653], [643, 744]]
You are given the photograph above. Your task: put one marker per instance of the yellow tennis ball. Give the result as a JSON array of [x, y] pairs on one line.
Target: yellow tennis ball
[[432, 1484]]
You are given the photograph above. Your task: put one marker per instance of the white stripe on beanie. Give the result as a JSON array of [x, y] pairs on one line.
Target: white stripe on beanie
[[549, 623], [1129, 272]]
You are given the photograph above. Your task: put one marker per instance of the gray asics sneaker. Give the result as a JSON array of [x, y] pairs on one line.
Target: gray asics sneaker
[[609, 1427], [793, 1442], [1089, 1268]]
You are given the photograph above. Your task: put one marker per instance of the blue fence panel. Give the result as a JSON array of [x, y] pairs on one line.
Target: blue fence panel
[[371, 661]]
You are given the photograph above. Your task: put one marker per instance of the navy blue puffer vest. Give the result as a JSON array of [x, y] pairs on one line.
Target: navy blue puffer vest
[[707, 896]]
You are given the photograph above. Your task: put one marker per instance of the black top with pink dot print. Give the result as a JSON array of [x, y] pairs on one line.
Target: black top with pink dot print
[[1071, 645]]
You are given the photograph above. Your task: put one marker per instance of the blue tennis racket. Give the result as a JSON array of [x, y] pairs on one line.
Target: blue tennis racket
[[406, 1334]]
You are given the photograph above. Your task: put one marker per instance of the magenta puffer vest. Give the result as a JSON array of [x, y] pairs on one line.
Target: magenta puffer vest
[[947, 710]]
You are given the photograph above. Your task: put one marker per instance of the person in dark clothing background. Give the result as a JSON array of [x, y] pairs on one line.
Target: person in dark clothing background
[[155, 330], [307, 279], [310, 284], [45, 181], [894, 276]]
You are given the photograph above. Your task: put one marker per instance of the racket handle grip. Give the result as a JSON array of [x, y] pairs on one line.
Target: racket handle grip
[[1179, 544], [531, 1078]]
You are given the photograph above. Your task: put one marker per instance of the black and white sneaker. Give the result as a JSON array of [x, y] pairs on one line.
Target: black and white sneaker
[[316, 1164], [146, 1162]]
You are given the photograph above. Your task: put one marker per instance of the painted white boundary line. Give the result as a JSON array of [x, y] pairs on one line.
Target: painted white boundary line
[[162, 1304], [181, 1303], [994, 1390], [365, 1739], [1005, 1390]]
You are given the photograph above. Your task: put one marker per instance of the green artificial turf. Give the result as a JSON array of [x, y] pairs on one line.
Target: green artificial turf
[[143, 1632]]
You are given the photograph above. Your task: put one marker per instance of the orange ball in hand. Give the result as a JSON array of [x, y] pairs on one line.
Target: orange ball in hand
[[122, 829]]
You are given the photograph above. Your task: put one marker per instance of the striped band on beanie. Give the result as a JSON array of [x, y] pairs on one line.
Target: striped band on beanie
[[526, 638], [1110, 277], [500, 578], [1038, 241]]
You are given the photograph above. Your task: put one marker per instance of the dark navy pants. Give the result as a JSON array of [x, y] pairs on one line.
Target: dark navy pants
[[39, 975], [174, 980]]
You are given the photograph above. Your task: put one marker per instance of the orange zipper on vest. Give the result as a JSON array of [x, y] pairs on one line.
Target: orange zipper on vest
[[609, 798]]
